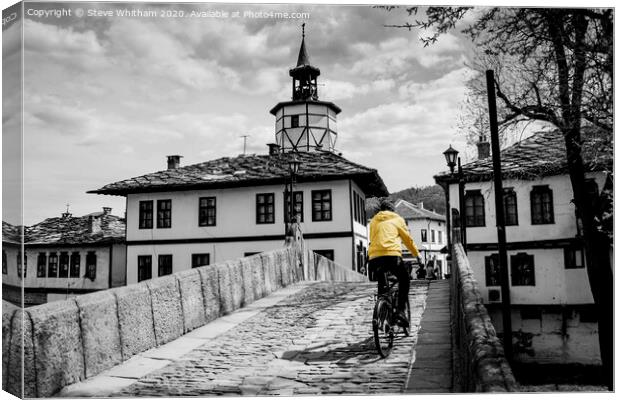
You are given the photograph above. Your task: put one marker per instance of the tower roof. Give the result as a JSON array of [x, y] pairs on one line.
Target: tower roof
[[303, 58], [303, 66]]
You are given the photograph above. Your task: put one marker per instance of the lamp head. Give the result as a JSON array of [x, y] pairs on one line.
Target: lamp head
[[450, 156]]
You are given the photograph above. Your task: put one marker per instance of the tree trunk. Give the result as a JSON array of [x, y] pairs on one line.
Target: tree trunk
[[598, 263]]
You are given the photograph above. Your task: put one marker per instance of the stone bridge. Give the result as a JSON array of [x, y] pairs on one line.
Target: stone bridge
[[285, 322]]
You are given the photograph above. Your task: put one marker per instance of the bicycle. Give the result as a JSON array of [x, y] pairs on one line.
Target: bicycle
[[384, 324]]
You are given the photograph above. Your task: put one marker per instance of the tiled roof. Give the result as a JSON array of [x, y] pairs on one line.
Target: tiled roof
[[11, 233], [542, 154], [251, 170], [411, 211], [69, 230]]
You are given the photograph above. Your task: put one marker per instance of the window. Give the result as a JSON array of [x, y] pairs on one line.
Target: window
[[423, 235], [321, 205], [41, 265], [206, 211], [541, 198], [474, 208], [265, 208], [198, 260], [326, 253], [144, 267], [491, 270], [19, 264], [432, 236], [52, 266], [25, 264], [359, 208], [522, 270], [250, 253], [91, 265], [146, 215], [4, 262], [164, 264], [74, 270], [63, 271], [573, 257], [510, 207], [298, 205], [294, 121], [439, 237], [164, 213]]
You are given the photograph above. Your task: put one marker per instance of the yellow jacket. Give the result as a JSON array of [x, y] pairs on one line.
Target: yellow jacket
[[387, 231]]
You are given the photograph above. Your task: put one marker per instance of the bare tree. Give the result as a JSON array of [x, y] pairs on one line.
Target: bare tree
[[553, 65]]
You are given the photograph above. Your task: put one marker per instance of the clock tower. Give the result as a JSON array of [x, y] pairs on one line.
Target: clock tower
[[305, 123]]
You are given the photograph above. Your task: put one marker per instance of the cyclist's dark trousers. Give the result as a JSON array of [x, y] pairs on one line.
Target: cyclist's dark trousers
[[395, 266]]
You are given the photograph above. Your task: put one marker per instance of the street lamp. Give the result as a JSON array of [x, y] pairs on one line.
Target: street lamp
[[450, 156], [293, 170]]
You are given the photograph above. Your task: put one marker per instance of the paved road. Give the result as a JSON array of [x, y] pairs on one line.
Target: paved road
[[317, 341]]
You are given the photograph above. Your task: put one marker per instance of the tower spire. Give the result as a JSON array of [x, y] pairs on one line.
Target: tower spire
[[304, 74]]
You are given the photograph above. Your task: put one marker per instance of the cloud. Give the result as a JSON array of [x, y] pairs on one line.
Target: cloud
[[339, 90]]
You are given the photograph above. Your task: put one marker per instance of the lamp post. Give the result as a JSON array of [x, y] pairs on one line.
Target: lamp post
[[289, 195], [450, 154]]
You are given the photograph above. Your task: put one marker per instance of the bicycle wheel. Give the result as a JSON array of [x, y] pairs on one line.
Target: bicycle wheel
[[381, 327], [408, 311]]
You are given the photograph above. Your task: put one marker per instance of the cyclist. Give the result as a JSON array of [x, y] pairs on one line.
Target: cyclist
[[387, 231]]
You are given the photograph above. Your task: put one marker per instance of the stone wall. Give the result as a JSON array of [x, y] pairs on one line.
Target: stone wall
[[67, 341], [479, 364]]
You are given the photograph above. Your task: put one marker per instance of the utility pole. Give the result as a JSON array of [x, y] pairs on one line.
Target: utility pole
[[245, 139], [499, 216]]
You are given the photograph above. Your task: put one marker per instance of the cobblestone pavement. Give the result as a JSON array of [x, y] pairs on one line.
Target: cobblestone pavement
[[318, 341]]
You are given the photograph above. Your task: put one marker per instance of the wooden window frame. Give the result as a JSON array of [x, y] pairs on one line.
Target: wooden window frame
[[327, 253], [207, 212], [424, 235], [145, 214], [52, 256], [142, 267], [322, 214], [537, 205], [492, 273], [91, 265], [164, 269], [511, 210], [573, 256], [74, 264], [474, 212], [164, 215], [515, 278], [196, 258], [265, 208], [42, 267], [63, 264]]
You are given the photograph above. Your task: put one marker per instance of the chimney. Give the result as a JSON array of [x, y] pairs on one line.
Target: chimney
[[420, 205], [107, 210], [484, 148], [94, 224], [273, 148], [174, 161]]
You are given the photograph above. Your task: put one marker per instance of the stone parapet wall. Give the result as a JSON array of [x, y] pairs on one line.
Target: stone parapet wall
[[68, 341], [479, 363]]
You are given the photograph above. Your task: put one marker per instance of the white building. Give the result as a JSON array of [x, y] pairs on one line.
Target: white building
[[63, 257], [428, 230], [553, 316], [227, 208]]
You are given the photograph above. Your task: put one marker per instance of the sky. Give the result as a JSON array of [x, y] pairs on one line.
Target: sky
[[107, 98]]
